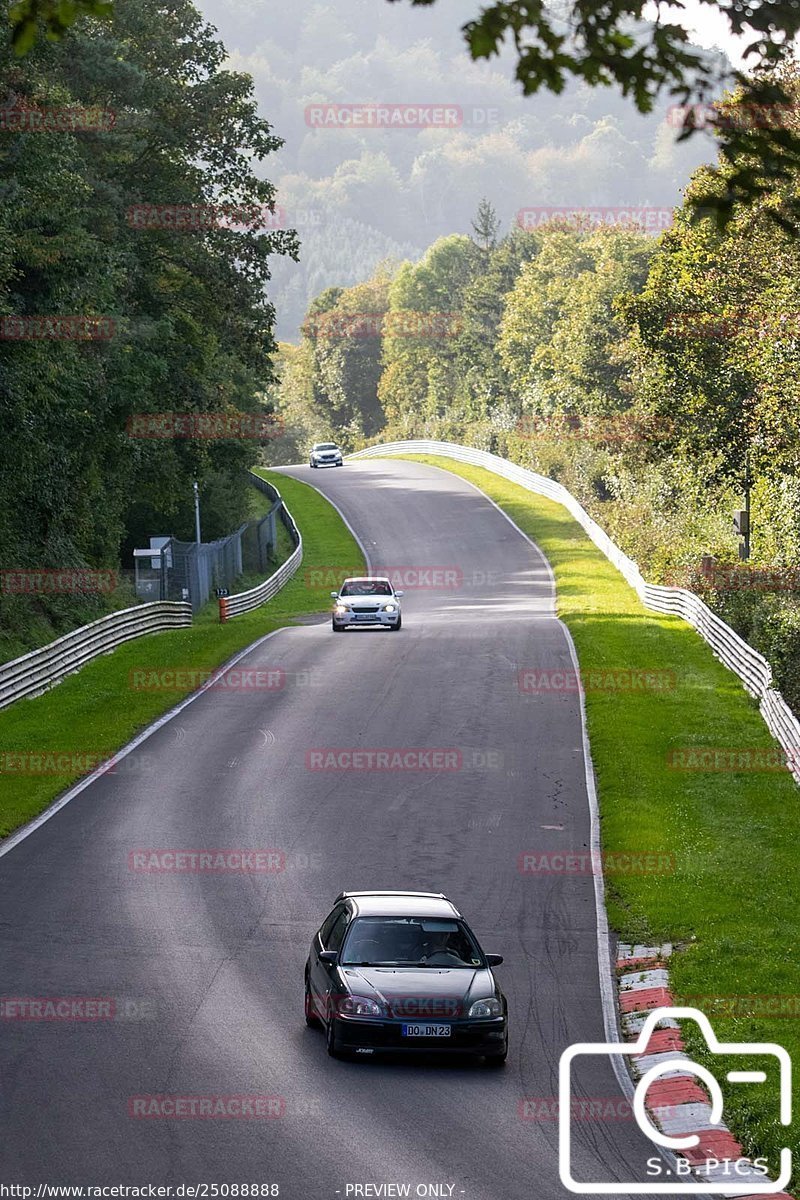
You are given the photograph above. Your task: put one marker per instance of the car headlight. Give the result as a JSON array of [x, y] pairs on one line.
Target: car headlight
[[486, 1008], [341, 609], [359, 1006], [390, 608]]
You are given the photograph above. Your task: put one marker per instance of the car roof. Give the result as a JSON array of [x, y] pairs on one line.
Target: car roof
[[406, 904], [366, 578]]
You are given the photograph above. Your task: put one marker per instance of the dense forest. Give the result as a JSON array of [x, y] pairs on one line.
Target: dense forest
[[114, 121], [655, 377]]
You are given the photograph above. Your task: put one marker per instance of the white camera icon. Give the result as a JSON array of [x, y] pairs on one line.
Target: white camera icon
[[749, 1187]]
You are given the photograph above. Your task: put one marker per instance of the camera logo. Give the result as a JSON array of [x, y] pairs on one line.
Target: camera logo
[[752, 1181]]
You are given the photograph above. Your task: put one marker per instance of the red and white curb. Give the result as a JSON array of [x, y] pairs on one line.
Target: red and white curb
[[676, 1103]]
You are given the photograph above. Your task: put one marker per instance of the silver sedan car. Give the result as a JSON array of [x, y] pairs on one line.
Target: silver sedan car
[[368, 601], [325, 454]]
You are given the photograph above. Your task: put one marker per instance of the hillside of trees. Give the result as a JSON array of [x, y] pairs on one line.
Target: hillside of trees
[[361, 196], [654, 377]]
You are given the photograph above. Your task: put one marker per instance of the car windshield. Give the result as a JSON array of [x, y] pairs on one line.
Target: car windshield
[[410, 942], [325, 446], [366, 587]]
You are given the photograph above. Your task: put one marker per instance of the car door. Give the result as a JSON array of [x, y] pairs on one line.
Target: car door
[[329, 937]]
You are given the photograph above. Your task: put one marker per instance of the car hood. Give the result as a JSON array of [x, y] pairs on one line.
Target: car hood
[[369, 598], [432, 992]]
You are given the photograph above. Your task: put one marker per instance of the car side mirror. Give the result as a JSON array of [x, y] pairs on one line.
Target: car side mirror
[[399, 594], [329, 956], [494, 960], [334, 594]]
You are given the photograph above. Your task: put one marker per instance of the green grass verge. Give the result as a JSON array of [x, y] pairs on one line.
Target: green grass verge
[[731, 902], [97, 711]]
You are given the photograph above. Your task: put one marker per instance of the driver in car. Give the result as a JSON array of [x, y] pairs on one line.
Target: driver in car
[[441, 948]]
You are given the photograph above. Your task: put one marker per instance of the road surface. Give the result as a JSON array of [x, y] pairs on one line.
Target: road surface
[[206, 969]]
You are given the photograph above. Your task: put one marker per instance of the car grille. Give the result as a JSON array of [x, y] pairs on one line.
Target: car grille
[[361, 608]]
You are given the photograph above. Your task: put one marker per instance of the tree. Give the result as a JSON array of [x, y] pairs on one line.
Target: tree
[[190, 320], [343, 329], [483, 383], [561, 328], [486, 226], [421, 329]]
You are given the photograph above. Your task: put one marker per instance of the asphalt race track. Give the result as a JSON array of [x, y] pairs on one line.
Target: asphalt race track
[[206, 969]]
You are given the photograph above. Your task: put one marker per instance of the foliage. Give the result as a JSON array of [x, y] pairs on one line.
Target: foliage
[[649, 376], [55, 16], [561, 331], [190, 321], [610, 45]]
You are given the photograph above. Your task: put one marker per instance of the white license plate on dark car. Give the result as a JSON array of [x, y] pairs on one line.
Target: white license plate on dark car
[[426, 1030]]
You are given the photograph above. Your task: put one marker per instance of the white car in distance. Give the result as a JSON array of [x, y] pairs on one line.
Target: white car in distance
[[325, 454], [366, 601]]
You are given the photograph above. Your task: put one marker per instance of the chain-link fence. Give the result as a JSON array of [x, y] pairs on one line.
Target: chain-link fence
[[175, 570]]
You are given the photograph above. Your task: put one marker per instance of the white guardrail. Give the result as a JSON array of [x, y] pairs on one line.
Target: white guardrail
[[39, 669], [753, 670], [242, 602]]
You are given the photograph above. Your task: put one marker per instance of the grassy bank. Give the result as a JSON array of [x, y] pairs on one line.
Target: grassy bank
[[731, 902], [97, 711]]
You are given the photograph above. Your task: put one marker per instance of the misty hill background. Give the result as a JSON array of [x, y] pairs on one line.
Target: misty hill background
[[360, 196]]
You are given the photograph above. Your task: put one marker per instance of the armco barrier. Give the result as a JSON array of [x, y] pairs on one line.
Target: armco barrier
[[753, 670], [234, 606], [39, 669]]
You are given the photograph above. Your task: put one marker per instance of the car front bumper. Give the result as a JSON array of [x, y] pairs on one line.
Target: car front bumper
[[366, 620], [327, 462], [467, 1037]]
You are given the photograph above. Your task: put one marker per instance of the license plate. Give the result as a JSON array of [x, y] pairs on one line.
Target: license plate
[[426, 1031], [366, 617]]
